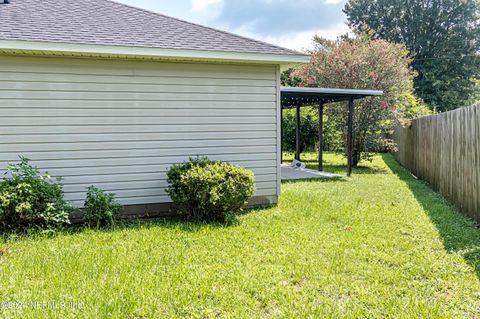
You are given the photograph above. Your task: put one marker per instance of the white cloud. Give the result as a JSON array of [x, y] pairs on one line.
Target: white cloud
[[300, 41], [202, 5], [333, 2]]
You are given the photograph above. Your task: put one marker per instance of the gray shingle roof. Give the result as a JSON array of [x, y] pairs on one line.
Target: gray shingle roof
[[111, 23]]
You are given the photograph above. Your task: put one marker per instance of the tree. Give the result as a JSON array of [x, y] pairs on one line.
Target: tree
[[332, 138], [475, 98], [362, 63], [443, 37], [287, 80]]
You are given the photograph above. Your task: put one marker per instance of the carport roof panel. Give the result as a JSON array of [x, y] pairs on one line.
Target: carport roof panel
[[292, 96]]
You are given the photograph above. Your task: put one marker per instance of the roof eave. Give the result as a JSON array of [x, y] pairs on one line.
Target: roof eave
[[115, 51]]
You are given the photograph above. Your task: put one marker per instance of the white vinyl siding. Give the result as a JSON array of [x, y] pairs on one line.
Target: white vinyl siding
[[120, 125]]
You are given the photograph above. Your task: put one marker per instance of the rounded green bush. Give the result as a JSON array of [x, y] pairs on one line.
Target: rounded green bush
[[31, 200], [209, 191]]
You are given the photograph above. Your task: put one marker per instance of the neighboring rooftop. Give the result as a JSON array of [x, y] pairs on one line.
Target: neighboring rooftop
[[105, 22]]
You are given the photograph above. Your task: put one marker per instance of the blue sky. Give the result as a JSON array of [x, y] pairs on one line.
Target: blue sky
[[288, 23]]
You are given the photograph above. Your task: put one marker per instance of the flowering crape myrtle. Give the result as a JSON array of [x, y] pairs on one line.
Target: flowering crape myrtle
[[364, 62]]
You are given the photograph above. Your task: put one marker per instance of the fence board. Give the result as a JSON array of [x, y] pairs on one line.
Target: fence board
[[444, 150]]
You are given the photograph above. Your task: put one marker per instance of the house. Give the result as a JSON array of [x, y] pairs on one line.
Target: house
[[107, 94]]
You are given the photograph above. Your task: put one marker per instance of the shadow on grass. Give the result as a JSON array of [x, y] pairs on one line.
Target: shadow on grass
[[184, 223], [458, 232], [173, 222], [360, 170]]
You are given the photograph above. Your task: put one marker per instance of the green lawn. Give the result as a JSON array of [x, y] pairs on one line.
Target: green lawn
[[378, 245]]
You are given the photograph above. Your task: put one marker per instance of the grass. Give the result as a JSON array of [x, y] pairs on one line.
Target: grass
[[378, 245]]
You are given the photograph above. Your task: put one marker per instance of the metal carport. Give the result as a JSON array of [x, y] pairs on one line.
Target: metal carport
[[296, 97]]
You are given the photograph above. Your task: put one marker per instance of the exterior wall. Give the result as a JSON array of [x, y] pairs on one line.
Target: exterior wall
[[120, 125]]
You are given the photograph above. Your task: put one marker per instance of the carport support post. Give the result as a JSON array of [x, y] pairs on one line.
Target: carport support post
[[320, 136], [350, 137], [297, 133]]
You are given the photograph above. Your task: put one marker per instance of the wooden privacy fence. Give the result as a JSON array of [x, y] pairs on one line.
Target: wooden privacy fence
[[444, 150]]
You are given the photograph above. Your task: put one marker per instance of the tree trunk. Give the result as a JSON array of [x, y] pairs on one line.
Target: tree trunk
[[356, 158]]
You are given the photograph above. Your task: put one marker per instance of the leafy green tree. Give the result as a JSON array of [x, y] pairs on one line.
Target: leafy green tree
[[443, 37], [332, 138], [286, 78], [363, 63], [475, 98]]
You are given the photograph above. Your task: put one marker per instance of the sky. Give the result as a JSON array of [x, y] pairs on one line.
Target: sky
[[288, 23]]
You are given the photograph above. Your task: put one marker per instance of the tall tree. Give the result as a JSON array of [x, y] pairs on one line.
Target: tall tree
[[443, 37], [362, 63]]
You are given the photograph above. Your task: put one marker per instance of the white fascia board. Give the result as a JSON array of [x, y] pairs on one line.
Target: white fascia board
[[143, 52]]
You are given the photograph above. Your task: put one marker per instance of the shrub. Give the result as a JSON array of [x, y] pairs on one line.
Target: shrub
[[30, 200], [101, 209], [362, 62], [332, 137], [209, 191]]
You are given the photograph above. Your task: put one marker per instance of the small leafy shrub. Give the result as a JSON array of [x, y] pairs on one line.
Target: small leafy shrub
[[209, 191], [101, 209], [332, 136], [30, 200]]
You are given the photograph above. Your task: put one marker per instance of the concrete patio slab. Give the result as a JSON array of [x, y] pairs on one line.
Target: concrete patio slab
[[290, 173]]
